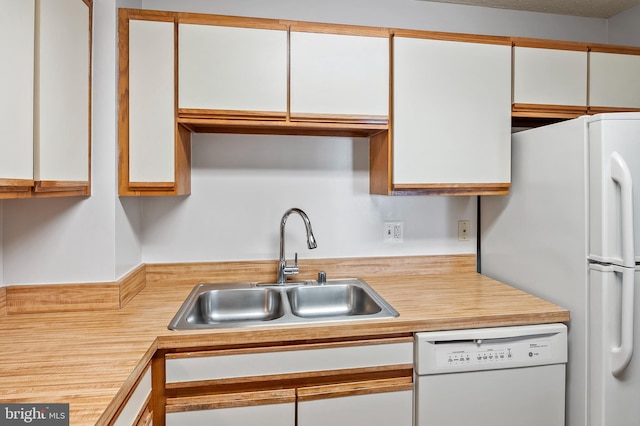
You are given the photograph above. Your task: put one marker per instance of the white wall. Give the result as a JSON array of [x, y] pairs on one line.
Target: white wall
[[241, 184], [414, 14], [624, 28], [79, 239]]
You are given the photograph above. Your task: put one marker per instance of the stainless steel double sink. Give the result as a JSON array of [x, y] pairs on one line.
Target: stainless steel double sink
[[253, 304]]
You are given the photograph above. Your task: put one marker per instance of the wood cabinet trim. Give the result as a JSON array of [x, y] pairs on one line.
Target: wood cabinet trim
[[452, 189], [280, 127], [549, 44], [145, 405], [610, 48], [308, 378], [3, 301], [365, 387], [338, 29], [444, 36], [231, 400], [548, 111], [230, 21], [186, 114], [601, 109]]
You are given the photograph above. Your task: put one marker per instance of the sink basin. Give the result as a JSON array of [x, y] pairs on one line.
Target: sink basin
[[252, 304], [248, 304], [331, 300]]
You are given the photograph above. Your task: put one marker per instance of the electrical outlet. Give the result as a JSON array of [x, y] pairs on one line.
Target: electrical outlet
[[464, 230], [393, 232]]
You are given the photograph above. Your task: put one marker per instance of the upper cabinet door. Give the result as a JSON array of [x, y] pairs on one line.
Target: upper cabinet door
[[232, 69], [614, 80], [336, 74], [16, 93], [452, 116], [550, 77], [63, 81], [151, 105]]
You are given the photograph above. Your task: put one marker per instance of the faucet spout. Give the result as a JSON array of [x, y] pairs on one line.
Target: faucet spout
[[283, 268]]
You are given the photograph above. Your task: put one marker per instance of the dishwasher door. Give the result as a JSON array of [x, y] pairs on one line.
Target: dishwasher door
[[506, 376]]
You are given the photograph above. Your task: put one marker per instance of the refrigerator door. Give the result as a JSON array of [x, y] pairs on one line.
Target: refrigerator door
[[613, 396], [614, 188]]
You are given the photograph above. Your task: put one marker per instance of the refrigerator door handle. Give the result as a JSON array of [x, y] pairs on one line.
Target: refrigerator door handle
[[622, 176], [621, 356]]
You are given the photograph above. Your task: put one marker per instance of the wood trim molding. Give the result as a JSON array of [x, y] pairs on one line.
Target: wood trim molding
[[549, 44], [610, 48], [547, 111], [452, 189], [233, 400], [265, 270], [41, 298], [3, 301], [601, 109], [366, 387], [467, 38], [26, 299]]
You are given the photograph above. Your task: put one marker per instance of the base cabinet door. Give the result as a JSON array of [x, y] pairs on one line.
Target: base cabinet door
[[264, 415], [374, 409]]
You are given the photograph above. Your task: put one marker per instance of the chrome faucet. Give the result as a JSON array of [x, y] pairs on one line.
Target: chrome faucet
[[283, 268]]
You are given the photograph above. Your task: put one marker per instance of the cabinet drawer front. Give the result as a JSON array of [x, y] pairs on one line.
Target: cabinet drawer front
[[613, 80], [286, 362], [377, 409], [151, 101], [549, 76], [230, 68], [275, 414], [339, 74]]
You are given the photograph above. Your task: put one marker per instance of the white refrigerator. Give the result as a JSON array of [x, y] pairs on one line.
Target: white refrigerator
[[569, 232]]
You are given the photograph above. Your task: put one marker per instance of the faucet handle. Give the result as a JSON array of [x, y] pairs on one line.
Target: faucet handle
[[295, 259]]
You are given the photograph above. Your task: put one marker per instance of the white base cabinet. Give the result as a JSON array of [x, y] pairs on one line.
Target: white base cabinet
[[375, 409], [334, 383], [272, 414]]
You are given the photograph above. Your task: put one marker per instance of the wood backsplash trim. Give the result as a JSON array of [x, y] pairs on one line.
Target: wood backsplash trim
[[265, 271], [27, 299]]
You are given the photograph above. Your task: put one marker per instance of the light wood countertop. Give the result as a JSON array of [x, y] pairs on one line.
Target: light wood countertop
[[92, 359]]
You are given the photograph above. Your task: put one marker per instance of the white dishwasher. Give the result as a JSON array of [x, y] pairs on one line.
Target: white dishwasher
[[504, 376]]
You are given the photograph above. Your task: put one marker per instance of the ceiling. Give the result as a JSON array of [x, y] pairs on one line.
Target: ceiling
[[589, 8]]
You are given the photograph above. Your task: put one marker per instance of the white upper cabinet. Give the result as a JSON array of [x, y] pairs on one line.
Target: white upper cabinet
[[16, 91], [232, 68], [452, 114], [549, 76], [337, 74], [614, 80], [62, 139], [151, 102]]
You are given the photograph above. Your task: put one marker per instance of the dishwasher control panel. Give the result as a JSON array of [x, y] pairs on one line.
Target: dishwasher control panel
[[482, 352], [487, 349]]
